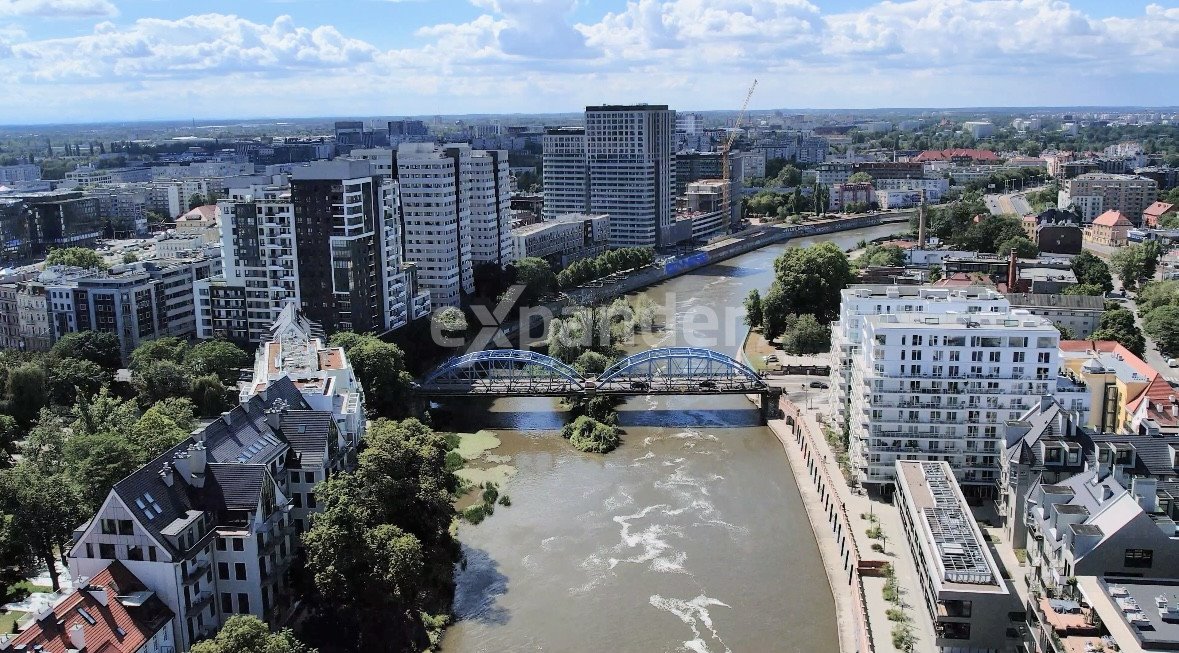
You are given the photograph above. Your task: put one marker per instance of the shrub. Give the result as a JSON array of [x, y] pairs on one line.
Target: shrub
[[505, 500], [878, 547], [490, 493], [874, 532], [589, 435], [475, 514], [454, 461], [896, 614], [902, 637]]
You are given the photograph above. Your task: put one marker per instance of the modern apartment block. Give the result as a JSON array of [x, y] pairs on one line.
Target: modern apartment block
[[456, 210], [632, 171], [211, 525], [565, 172], [1095, 193], [563, 239], [53, 219], [961, 585], [933, 374]]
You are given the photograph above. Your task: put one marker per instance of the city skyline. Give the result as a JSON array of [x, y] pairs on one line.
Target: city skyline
[[101, 60]]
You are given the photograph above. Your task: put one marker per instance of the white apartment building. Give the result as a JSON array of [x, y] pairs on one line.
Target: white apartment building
[[978, 129], [748, 165], [933, 374], [19, 172], [1095, 193], [436, 217], [381, 158], [934, 188], [565, 173], [487, 180], [562, 240], [831, 174], [631, 160], [689, 123]]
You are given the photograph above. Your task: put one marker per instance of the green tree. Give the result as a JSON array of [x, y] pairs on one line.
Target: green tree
[[1136, 263], [159, 380], [80, 257], [10, 434], [209, 396], [810, 281], [880, 256], [44, 448], [1023, 246], [195, 200], [380, 367], [247, 634], [98, 347], [775, 312], [28, 390], [1154, 294], [1118, 325], [591, 363], [71, 377], [94, 463], [538, 278], [753, 314], [159, 349], [102, 413], [130, 257], [1091, 270], [45, 508], [1065, 332], [219, 357], [163, 426], [591, 436], [860, 178], [805, 335], [1084, 289], [1162, 325]]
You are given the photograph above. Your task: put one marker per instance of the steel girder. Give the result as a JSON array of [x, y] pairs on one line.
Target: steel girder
[[503, 372], [679, 369]]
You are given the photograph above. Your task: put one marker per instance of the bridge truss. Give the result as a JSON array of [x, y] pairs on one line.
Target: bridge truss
[[503, 373], [678, 370]]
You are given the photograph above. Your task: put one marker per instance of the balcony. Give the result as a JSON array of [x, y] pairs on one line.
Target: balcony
[[201, 601], [196, 569]]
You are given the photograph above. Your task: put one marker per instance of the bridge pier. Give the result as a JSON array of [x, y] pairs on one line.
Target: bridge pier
[[770, 408]]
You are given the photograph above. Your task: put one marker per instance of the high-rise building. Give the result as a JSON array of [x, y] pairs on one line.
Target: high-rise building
[[456, 211], [632, 170], [1095, 193], [934, 374], [566, 172]]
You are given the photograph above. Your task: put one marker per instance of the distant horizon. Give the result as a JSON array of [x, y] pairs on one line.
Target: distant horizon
[[82, 62], [214, 121]]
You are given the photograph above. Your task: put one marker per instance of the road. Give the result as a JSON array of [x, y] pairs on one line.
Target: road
[[1152, 357], [1008, 204]]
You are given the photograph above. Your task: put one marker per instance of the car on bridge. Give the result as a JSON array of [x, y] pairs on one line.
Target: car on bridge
[[708, 385], [640, 385]]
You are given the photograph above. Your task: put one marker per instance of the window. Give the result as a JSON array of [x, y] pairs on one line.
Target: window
[[1139, 558], [239, 544], [135, 553], [243, 602], [239, 570], [297, 499], [220, 544], [226, 603], [223, 570], [106, 551], [310, 499], [309, 477], [151, 553], [108, 527], [126, 527], [954, 630]]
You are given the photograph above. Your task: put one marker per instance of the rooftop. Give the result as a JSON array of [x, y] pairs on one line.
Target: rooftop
[[1140, 613]]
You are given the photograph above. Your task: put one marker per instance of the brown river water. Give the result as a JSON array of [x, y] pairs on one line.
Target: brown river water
[[691, 536]]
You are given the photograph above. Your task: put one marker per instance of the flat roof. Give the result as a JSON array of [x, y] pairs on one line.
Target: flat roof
[[1130, 608], [948, 528]]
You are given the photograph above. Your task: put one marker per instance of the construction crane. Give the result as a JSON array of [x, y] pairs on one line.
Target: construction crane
[[726, 168]]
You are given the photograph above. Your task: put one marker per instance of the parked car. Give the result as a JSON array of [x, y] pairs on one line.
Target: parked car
[[1171, 362], [819, 384]]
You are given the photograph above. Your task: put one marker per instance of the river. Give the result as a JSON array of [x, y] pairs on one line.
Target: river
[[689, 537]]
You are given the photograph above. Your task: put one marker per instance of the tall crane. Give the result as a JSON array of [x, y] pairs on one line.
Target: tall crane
[[727, 170]]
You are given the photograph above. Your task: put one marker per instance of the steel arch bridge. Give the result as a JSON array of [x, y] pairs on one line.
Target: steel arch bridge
[[667, 371], [678, 370], [503, 373]]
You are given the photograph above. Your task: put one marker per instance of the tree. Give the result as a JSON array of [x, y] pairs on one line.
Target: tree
[[45, 509], [860, 178], [1090, 289], [1091, 270], [538, 278], [209, 396], [130, 257], [753, 315], [1065, 332], [98, 347], [380, 367], [195, 200], [880, 256], [775, 311], [988, 234], [167, 348], [1162, 325], [10, 433], [244, 633], [219, 357], [28, 387], [94, 463], [1154, 294], [102, 413], [159, 380], [79, 257], [806, 335], [1023, 246], [591, 363], [591, 436], [1118, 325], [810, 280], [1136, 263], [69, 377], [163, 426]]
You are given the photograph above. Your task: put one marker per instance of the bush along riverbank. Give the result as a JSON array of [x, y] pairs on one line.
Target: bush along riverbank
[[592, 436]]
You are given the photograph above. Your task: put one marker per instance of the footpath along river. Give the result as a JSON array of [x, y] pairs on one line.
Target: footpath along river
[[691, 536]]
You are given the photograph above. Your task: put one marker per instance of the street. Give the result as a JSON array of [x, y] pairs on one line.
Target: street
[[1008, 204], [1152, 356]]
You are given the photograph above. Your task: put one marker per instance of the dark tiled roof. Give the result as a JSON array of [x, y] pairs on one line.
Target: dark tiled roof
[[308, 432], [1152, 453], [233, 486]]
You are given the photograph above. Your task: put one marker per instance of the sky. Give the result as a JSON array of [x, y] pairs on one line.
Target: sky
[[113, 60]]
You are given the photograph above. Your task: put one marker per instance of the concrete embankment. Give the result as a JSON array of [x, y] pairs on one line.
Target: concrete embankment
[[831, 524]]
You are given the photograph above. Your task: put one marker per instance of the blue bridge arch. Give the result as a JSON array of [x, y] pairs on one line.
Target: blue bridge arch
[[679, 370], [503, 372]]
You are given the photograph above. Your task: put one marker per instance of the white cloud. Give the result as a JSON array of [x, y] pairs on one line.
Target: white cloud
[[58, 8]]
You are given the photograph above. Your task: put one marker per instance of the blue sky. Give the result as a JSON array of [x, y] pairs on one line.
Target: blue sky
[[90, 60]]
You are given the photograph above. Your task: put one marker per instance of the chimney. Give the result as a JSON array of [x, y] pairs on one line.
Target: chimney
[[1012, 271], [921, 222], [78, 637], [98, 593], [199, 456], [1145, 490], [1045, 402], [167, 474]]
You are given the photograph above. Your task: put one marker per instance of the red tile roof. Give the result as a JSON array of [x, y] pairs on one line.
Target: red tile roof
[[1157, 210], [1113, 218], [959, 153], [1110, 347], [138, 620], [205, 212]]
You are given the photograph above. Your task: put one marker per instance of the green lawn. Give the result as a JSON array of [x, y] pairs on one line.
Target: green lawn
[[8, 620]]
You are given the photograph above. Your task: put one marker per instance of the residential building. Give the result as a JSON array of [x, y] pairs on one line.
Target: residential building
[[565, 172], [797, 146], [487, 181], [1109, 229], [833, 174], [1081, 314], [962, 588], [123, 206], [979, 129], [1167, 177], [564, 239], [891, 169], [1134, 614], [747, 165], [202, 222], [112, 611], [383, 160], [632, 171], [19, 172], [15, 238], [927, 373], [704, 205], [297, 349], [1026, 124], [1094, 193], [958, 155], [1117, 381], [845, 194], [897, 199], [348, 247], [1153, 215], [932, 188], [696, 166], [58, 219], [207, 525]]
